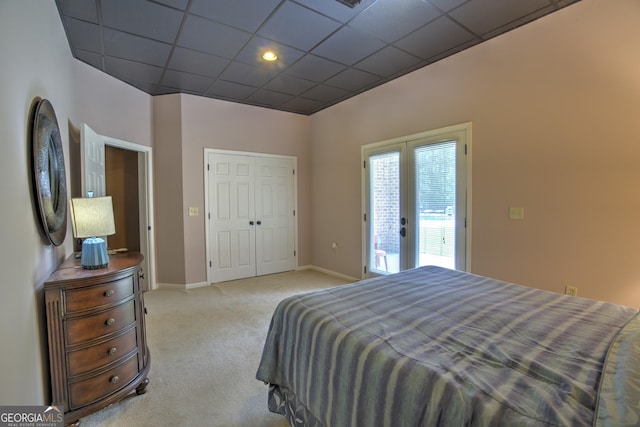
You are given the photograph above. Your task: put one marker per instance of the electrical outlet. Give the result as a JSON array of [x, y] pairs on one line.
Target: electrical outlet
[[571, 290]]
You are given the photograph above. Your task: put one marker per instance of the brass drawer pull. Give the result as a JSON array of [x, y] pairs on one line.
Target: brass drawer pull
[[109, 293], [110, 322], [113, 351], [115, 379]]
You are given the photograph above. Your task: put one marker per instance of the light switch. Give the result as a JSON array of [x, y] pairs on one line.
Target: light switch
[[516, 212], [193, 211]]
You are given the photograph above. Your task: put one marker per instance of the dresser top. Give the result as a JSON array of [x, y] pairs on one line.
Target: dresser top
[[71, 268]]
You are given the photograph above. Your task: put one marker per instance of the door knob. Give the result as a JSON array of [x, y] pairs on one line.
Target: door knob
[[250, 222], [403, 231], [259, 222]]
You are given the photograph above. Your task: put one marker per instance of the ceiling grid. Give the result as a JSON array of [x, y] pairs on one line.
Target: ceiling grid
[[327, 51]]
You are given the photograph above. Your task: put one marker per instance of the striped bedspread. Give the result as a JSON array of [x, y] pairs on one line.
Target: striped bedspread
[[437, 347]]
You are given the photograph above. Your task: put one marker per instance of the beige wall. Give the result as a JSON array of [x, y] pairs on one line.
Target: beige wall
[[25, 260], [167, 166], [555, 107], [110, 107], [36, 62], [207, 123]]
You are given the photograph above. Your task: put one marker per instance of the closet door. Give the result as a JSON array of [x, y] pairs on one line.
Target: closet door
[[232, 217], [251, 220], [275, 251]]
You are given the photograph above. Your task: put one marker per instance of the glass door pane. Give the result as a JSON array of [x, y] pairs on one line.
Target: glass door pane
[[384, 211], [435, 186]]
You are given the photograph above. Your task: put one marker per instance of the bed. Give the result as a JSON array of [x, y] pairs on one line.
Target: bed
[[438, 347]]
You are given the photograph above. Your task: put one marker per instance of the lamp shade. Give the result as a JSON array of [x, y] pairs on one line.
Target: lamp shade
[[92, 216]]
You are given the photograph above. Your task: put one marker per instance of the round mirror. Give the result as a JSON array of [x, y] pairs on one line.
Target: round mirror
[[48, 172]]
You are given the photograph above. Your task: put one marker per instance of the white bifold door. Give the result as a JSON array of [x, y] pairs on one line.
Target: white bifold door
[[251, 215]]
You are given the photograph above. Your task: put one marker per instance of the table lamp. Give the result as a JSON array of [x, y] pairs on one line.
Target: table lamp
[[92, 218]]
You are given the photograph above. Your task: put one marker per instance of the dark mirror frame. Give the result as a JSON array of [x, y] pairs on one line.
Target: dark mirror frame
[[49, 178]]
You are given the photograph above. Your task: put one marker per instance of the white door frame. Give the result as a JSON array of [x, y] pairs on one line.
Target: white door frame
[[145, 187], [464, 128], [207, 152]]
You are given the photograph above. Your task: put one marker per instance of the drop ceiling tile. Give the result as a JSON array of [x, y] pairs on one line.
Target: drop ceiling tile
[[132, 71], [336, 10], [178, 4], [437, 37], [246, 74], [230, 90], [187, 81], [484, 16], [314, 68], [247, 15], [211, 37], [140, 49], [518, 22], [150, 88], [348, 46], [252, 53], [143, 18], [387, 62], [303, 106], [91, 58], [83, 35], [288, 84], [391, 20], [564, 3], [446, 5], [80, 9], [353, 80], [195, 62], [324, 93], [270, 98], [297, 26]]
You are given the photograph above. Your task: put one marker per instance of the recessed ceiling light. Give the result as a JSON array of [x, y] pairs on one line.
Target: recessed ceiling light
[[269, 56]]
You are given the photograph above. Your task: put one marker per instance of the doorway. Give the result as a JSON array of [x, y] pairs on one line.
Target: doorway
[[416, 201], [251, 222], [128, 178], [121, 177]]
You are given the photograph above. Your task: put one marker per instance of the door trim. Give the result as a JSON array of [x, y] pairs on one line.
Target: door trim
[[466, 129], [145, 186], [207, 152]]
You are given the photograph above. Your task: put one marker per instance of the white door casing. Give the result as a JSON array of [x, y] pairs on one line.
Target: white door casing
[[93, 178]]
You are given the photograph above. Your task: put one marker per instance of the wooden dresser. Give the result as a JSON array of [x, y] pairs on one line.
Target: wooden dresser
[[97, 341]]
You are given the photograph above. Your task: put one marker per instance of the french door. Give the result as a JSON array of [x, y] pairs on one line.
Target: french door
[[415, 196]]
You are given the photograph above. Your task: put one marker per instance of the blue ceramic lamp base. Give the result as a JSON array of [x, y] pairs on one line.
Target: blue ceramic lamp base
[[94, 253]]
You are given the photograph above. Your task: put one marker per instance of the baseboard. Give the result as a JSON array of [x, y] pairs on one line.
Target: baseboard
[[176, 286], [329, 272]]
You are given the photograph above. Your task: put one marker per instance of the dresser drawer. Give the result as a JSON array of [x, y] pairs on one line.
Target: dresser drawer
[[87, 391], [95, 296], [85, 328], [86, 359]]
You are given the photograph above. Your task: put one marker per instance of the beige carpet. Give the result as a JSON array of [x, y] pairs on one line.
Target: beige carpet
[[205, 348]]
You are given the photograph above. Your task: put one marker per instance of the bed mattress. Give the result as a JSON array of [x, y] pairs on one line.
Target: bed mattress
[[439, 347]]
